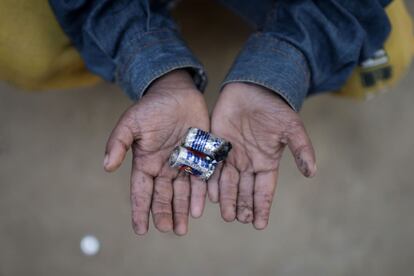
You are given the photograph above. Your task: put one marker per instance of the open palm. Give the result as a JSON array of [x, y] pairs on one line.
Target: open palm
[[259, 124], [152, 128]]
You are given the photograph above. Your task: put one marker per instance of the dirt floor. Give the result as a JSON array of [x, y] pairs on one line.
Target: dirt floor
[[354, 218]]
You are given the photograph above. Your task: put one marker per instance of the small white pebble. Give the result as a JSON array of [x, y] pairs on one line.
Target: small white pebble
[[89, 245]]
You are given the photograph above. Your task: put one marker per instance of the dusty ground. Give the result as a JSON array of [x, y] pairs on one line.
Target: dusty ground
[[354, 218]]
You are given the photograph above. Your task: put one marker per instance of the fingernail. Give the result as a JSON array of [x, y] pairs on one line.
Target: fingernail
[[106, 161], [139, 230], [196, 211], [313, 170], [310, 169], [307, 167], [164, 225], [213, 198], [228, 215], [260, 224], [180, 230]]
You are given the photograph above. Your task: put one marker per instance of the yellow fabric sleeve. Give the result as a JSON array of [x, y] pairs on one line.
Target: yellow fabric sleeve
[[399, 49], [34, 51]]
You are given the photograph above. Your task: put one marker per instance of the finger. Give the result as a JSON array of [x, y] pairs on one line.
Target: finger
[[198, 196], [228, 182], [264, 188], [302, 150], [141, 195], [245, 198], [117, 146], [181, 198], [161, 204], [213, 184]]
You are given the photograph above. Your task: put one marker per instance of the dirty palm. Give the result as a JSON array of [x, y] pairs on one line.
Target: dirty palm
[[298, 48], [245, 182]]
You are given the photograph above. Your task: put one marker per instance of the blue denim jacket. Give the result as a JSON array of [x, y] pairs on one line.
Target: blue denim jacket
[[300, 47]]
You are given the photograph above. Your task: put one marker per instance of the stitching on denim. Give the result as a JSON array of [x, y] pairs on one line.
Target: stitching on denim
[[288, 44], [130, 58], [147, 45], [304, 70], [303, 65], [305, 76], [166, 69], [93, 37], [154, 32], [119, 71]]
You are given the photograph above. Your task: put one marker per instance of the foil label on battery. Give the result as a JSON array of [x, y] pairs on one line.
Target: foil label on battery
[[206, 143], [192, 163], [199, 153]]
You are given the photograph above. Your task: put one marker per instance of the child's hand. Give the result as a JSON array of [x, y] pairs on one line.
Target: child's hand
[[259, 124], [153, 127]]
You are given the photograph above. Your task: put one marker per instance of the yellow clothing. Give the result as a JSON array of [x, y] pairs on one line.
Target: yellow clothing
[[399, 49], [34, 51]]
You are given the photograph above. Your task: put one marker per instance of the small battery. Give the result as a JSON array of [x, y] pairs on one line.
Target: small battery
[[192, 163], [207, 143]]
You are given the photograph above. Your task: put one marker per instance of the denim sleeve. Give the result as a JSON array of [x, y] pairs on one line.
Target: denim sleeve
[[126, 41], [305, 47]]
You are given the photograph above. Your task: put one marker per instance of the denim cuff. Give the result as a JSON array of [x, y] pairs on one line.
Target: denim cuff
[[151, 56], [275, 64]]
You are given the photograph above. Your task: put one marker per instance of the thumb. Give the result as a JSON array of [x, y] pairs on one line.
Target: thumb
[[302, 150], [117, 146]]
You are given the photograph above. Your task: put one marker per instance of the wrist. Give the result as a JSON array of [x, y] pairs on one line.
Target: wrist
[[252, 92], [178, 84], [179, 79]]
